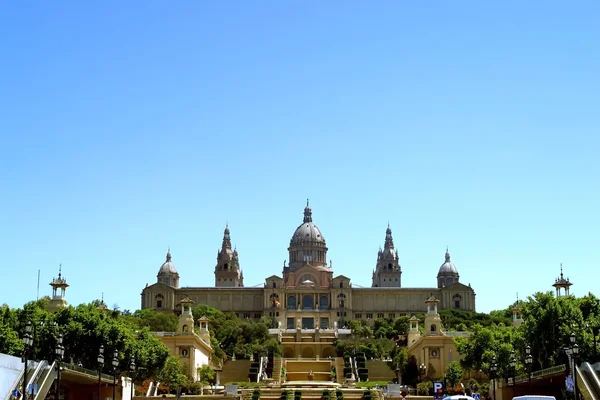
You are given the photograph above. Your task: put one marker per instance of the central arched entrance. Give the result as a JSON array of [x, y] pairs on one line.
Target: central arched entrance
[[307, 352]]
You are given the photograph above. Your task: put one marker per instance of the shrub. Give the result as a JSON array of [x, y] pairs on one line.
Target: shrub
[[424, 388], [256, 394]]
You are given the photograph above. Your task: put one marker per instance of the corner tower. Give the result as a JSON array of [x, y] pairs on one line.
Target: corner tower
[[307, 245], [227, 271], [387, 272]]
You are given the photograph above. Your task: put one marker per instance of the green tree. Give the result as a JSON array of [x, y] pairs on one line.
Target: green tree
[[173, 374], [548, 323], [454, 374], [487, 342], [154, 320], [207, 374], [399, 362]]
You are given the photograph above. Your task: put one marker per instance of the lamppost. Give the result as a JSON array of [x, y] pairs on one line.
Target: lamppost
[[100, 365], [33, 352], [513, 369], [28, 343], [131, 371], [493, 370], [59, 352], [572, 353], [422, 370], [115, 364], [529, 362]]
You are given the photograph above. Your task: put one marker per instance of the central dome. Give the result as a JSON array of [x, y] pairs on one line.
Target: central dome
[[307, 245], [168, 267], [307, 231]]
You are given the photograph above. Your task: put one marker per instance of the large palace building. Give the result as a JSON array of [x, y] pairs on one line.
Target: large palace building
[[307, 294]]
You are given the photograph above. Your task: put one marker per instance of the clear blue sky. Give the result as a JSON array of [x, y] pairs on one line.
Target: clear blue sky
[[128, 127]]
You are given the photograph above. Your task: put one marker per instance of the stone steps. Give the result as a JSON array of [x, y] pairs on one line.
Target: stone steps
[[235, 371], [380, 371]]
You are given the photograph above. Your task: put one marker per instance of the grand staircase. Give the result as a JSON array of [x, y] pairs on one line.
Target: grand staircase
[[277, 364], [308, 370], [339, 370], [380, 371], [235, 371]]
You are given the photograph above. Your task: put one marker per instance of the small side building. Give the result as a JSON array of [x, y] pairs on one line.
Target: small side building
[[190, 343], [433, 349]]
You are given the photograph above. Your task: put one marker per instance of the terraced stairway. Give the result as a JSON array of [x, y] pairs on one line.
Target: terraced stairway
[[339, 370], [308, 369], [277, 363], [235, 371], [380, 371]]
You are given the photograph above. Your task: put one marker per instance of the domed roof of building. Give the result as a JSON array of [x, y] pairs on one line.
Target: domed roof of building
[[168, 267], [307, 231], [447, 268]]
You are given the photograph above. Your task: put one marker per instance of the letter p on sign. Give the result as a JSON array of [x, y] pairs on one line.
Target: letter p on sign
[[438, 387]]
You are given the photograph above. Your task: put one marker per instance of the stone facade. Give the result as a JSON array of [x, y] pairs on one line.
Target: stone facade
[[433, 349], [307, 294]]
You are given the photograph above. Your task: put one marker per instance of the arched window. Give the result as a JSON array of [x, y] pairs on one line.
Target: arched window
[[433, 328], [159, 299], [307, 302], [457, 298], [324, 303], [291, 303], [274, 285], [341, 284], [390, 266], [225, 266], [185, 329], [341, 299]]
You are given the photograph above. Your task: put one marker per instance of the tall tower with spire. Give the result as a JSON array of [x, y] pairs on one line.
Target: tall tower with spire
[[227, 271], [388, 272]]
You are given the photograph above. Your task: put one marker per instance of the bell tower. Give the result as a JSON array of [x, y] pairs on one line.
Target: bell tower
[[227, 271], [433, 322], [388, 272], [185, 324]]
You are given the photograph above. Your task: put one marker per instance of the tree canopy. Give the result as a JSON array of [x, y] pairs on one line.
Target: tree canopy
[[84, 329], [548, 322], [231, 335]]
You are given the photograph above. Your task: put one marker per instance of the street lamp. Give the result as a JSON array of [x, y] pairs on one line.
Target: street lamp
[[115, 364], [131, 371], [572, 353], [513, 368], [493, 370], [529, 362], [59, 352], [27, 342], [100, 365], [422, 370]]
